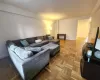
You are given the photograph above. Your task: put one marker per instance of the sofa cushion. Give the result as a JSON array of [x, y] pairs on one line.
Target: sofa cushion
[[34, 49], [31, 40], [54, 48], [20, 52], [38, 40], [44, 37], [9, 43], [57, 41], [24, 43], [47, 36], [39, 44], [23, 54], [50, 37], [50, 46], [44, 42], [40, 37], [17, 43]]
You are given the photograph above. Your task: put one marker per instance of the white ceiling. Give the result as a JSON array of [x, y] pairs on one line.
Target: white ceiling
[[56, 9]]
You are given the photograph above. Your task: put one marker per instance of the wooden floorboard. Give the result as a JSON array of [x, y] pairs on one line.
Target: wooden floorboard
[[66, 64], [63, 66]]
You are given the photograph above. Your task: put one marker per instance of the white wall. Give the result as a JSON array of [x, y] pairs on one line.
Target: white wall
[[16, 24], [55, 28], [83, 28], [16, 10], [68, 27], [95, 22]]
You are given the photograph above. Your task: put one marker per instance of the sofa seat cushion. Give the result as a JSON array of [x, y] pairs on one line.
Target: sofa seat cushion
[[50, 46], [39, 44], [44, 42], [54, 48], [34, 49], [56, 41]]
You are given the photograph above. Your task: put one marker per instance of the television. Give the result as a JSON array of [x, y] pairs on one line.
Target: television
[[93, 47], [96, 46], [97, 41]]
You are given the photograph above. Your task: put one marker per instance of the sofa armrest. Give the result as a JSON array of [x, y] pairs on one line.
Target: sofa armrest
[[36, 55], [14, 57], [17, 61], [34, 64]]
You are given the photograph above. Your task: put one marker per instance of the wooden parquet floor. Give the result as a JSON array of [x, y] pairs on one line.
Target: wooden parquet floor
[[64, 66]]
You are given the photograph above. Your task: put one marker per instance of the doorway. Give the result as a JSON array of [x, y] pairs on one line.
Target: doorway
[[83, 28]]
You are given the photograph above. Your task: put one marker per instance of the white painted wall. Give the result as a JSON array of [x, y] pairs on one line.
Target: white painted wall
[[55, 29], [95, 22], [68, 27], [83, 28], [16, 10], [16, 23]]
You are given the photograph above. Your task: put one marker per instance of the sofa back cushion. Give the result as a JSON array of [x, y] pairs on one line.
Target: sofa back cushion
[[50, 38], [31, 40], [46, 37], [8, 43], [40, 37], [21, 52], [12, 47], [17, 43]]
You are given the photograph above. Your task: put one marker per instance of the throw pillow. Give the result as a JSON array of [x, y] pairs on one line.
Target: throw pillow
[[22, 53], [24, 43], [38, 40], [50, 37]]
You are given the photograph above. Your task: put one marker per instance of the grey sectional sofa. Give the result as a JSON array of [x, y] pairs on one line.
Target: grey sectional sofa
[[30, 67]]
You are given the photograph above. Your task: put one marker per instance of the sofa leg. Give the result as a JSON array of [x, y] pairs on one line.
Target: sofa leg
[[48, 64], [48, 68]]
